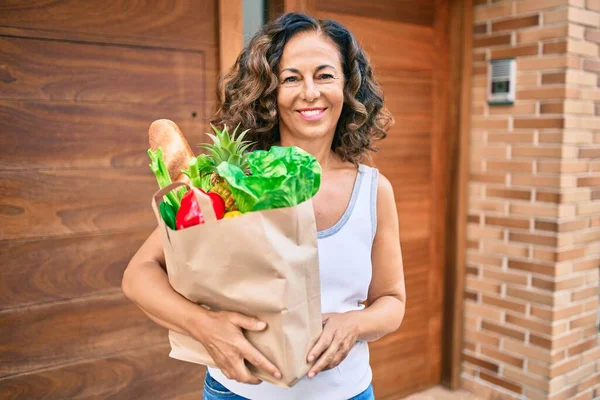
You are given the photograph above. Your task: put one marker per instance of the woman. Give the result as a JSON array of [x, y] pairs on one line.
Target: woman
[[307, 83]]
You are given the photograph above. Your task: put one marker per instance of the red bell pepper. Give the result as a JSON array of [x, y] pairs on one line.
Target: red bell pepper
[[189, 213], [218, 204]]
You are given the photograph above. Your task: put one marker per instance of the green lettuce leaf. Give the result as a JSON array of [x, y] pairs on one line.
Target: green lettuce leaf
[[280, 177]]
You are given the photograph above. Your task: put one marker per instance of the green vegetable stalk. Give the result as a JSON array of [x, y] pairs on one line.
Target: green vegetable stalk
[[158, 166], [199, 171]]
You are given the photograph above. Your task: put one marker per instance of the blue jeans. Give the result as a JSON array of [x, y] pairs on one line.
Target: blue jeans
[[213, 390]]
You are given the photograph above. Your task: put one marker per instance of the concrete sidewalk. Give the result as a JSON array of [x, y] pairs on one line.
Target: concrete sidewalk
[[441, 393]]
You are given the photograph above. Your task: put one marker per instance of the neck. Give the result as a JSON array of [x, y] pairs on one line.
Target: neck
[[320, 149]]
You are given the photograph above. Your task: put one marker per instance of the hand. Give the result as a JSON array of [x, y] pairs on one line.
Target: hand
[[339, 335], [224, 340]]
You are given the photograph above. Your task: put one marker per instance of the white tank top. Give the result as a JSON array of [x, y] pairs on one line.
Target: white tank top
[[345, 271]]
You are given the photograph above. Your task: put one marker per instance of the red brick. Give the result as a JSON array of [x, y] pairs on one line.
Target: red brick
[[588, 181], [552, 108], [494, 40], [504, 303], [554, 78], [538, 123], [584, 346], [529, 50], [481, 363], [555, 48], [480, 28], [502, 330], [501, 382], [515, 23]]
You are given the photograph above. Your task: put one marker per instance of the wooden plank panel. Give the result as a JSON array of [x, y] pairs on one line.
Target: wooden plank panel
[[145, 373], [406, 57], [45, 336], [405, 11], [52, 202], [64, 268], [397, 369], [63, 135], [159, 20], [384, 40], [84, 72]]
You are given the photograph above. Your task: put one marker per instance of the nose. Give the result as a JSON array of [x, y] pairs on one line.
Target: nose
[[310, 92]]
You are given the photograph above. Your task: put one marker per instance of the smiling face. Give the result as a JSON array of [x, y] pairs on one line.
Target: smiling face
[[310, 95]]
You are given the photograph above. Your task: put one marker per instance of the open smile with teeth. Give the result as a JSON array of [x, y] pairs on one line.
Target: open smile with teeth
[[312, 114]]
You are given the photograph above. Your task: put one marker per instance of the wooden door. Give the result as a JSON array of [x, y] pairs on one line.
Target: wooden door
[[80, 83], [407, 42]]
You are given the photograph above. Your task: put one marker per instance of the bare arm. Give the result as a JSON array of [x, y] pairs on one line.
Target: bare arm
[[386, 298], [387, 292], [145, 282]]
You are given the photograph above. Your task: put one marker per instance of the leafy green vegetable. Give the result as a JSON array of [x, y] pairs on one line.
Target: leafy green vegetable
[[159, 168], [280, 177], [199, 171]]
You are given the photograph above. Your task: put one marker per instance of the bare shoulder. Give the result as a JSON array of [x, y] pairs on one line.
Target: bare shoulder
[[385, 189], [386, 200]]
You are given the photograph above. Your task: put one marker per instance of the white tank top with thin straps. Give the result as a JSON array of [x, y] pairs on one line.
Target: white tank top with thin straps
[[345, 272]]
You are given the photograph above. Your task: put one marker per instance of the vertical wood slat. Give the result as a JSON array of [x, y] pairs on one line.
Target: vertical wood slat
[[440, 179], [459, 101], [231, 33], [415, 94]]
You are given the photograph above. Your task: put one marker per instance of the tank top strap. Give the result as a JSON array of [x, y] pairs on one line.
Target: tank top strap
[[365, 211]]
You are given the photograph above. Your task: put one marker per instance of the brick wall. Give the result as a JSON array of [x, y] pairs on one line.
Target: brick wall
[[533, 255]]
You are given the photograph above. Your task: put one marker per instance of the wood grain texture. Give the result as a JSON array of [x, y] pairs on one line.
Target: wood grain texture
[[408, 46], [105, 73], [231, 33], [54, 202], [460, 51], [45, 134], [158, 20], [384, 40], [144, 373], [62, 333], [440, 179], [80, 84], [405, 11], [63, 268]]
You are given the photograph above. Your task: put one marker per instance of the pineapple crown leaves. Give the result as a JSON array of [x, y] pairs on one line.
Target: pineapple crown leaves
[[227, 147]]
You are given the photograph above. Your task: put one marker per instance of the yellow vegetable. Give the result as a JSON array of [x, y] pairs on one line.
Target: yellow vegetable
[[232, 214]]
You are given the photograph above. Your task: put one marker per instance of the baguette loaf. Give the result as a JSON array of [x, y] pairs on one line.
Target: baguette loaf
[[177, 153]]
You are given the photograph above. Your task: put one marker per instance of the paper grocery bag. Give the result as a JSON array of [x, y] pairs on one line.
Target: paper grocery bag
[[263, 264]]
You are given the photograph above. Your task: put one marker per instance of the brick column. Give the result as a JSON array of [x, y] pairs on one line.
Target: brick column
[[531, 308]]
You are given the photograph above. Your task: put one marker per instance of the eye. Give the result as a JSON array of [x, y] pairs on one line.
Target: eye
[[290, 79], [325, 76]]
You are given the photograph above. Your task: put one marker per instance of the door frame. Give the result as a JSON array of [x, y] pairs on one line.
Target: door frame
[[456, 126]]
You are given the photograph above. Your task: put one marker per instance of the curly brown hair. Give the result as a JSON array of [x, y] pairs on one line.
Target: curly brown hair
[[250, 88]]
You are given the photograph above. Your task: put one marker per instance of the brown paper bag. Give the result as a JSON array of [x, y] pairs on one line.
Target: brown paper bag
[[263, 264]]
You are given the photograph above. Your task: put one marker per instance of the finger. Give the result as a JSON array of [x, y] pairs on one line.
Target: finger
[[325, 317], [246, 322], [321, 345], [324, 360], [256, 358], [244, 375], [339, 356]]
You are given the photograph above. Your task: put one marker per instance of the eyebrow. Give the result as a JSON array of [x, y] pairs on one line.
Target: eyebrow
[[320, 67]]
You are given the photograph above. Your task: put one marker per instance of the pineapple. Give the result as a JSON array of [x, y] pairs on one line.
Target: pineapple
[[226, 147]]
